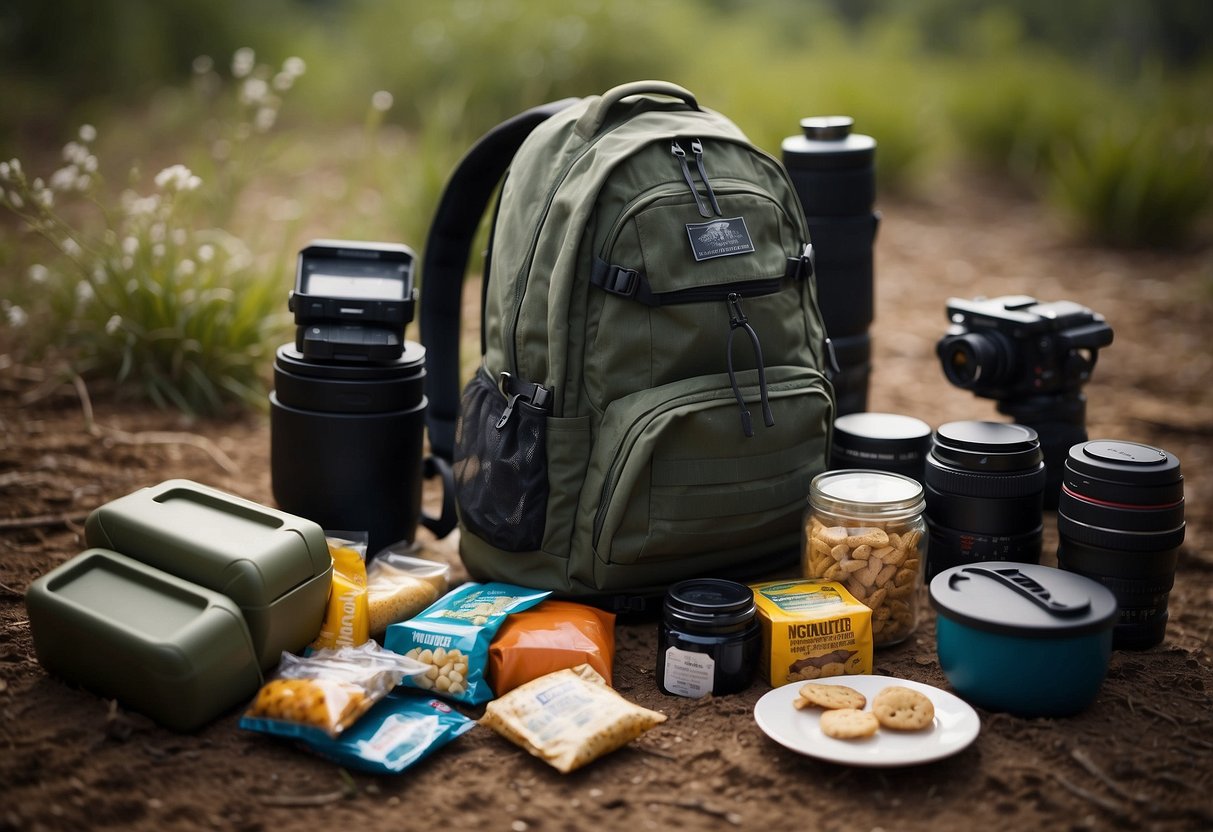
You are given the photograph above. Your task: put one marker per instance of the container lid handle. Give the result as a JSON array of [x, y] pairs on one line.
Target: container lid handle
[[1031, 589]]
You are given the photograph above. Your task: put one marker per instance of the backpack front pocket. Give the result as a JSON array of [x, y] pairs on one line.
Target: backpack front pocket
[[673, 475]]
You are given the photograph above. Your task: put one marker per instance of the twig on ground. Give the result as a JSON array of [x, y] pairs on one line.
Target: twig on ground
[[1107, 805], [42, 520], [1084, 760]]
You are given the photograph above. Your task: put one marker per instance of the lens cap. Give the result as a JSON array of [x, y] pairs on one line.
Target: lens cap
[[987, 446], [1124, 473]]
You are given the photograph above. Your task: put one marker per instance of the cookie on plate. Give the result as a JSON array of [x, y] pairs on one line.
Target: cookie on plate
[[829, 697], [848, 723], [903, 709]]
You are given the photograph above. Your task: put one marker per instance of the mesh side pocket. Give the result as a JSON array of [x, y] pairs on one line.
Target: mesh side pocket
[[501, 482]]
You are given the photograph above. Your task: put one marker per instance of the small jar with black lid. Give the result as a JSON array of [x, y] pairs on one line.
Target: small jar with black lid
[[882, 442], [1120, 521], [709, 639], [865, 530]]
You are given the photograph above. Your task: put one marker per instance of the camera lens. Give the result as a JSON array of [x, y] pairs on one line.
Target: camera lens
[[972, 358], [834, 173], [881, 441], [1120, 521], [985, 488]]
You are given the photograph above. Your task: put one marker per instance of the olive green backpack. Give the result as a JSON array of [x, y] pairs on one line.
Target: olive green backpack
[[651, 404]]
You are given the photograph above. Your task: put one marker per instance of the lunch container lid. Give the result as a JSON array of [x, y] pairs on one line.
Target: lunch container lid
[[709, 602], [1023, 599], [888, 432]]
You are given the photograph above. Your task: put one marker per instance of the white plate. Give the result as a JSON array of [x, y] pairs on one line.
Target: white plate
[[956, 725]]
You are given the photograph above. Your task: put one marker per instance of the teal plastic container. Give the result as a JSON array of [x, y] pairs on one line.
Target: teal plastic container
[[160, 645], [275, 566], [1023, 638]]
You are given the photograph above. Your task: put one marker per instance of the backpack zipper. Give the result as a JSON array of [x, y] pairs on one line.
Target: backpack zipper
[[738, 320], [697, 149], [681, 156]]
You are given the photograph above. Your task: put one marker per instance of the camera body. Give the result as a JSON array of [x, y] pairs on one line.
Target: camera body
[[1033, 358], [352, 300], [347, 412]]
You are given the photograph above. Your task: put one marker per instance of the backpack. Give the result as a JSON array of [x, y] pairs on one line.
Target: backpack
[[651, 402]]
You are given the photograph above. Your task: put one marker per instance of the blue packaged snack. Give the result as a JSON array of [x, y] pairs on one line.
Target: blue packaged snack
[[400, 730], [453, 634]]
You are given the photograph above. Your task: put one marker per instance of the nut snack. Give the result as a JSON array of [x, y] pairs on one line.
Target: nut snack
[[864, 529], [811, 630]]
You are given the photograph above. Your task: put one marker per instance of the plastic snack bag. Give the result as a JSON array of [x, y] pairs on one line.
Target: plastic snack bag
[[346, 620], [551, 637], [568, 718], [402, 729], [324, 693], [452, 636], [398, 586]]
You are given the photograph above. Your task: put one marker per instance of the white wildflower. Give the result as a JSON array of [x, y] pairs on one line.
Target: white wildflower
[[84, 292], [64, 179], [89, 163], [45, 198], [130, 245], [37, 184], [83, 182], [158, 250], [88, 133], [71, 248], [17, 317], [4, 170], [206, 253], [242, 61], [264, 119], [283, 81], [382, 101], [15, 164], [186, 268], [132, 286], [75, 152], [113, 324], [177, 178], [38, 273], [15, 199], [253, 91], [294, 66], [100, 275], [203, 64]]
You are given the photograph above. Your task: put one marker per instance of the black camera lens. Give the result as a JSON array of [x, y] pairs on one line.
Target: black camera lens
[[882, 442], [1120, 521], [834, 173], [984, 488], [973, 358], [346, 442]]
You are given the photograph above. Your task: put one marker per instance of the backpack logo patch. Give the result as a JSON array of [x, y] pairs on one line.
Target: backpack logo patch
[[719, 238]]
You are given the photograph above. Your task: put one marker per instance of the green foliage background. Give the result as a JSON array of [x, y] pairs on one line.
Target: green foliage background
[[1104, 110]]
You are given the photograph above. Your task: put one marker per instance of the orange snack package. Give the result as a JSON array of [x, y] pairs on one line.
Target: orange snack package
[[551, 636]]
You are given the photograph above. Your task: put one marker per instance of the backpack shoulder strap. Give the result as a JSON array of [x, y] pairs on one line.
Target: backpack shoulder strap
[[463, 203]]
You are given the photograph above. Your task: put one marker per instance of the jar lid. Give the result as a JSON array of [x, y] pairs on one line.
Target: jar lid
[[987, 446], [870, 493], [1023, 599], [710, 602]]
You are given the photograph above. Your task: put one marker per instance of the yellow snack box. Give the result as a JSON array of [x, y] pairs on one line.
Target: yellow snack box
[[810, 630]]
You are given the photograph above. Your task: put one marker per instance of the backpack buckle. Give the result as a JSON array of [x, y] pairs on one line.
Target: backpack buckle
[[621, 281]]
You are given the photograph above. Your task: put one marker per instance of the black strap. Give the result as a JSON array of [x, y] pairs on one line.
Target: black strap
[[460, 209]]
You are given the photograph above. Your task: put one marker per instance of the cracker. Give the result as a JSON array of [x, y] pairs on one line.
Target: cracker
[[903, 709], [830, 697], [848, 723]]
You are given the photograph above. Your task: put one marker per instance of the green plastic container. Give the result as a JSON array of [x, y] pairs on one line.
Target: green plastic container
[[160, 645], [275, 566]]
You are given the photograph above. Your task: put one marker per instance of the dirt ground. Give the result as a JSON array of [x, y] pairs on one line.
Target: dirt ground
[[1140, 757]]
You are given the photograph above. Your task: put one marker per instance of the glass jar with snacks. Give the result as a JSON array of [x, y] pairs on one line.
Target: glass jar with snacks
[[865, 529]]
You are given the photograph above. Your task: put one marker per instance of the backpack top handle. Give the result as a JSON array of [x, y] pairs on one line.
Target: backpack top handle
[[596, 114]]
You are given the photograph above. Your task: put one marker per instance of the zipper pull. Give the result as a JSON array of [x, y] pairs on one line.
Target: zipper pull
[[697, 149], [681, 156], [738, 320]]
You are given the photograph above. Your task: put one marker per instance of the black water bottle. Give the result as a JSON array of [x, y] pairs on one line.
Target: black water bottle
[[834, 173]]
